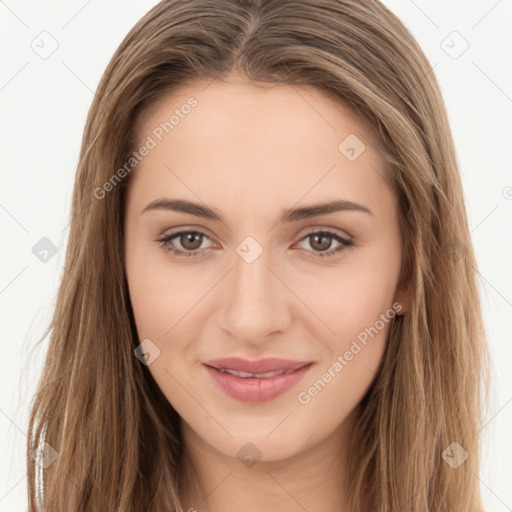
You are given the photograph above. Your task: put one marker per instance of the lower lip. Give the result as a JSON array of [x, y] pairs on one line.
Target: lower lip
[[252, 389]]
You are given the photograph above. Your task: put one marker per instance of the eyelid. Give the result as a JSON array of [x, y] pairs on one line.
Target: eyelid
[[186, 229], [310, 230], [325, 229]]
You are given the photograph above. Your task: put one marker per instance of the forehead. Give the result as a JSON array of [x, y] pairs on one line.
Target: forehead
[[234, 102], [256, 138]]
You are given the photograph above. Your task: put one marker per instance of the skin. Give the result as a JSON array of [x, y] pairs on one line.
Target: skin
[[249, 152]]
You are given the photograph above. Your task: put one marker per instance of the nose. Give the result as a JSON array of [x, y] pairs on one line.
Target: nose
[[255, 302]]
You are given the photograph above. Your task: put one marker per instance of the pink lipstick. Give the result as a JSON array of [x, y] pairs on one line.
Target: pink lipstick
[[256, 381]]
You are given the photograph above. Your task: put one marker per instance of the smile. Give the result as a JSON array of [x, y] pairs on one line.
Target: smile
[[268, 379]]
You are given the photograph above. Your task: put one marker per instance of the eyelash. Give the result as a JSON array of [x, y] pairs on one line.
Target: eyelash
[[345, 243]]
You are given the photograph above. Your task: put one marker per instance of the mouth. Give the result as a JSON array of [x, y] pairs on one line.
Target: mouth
[[246, 375], [256, 381]]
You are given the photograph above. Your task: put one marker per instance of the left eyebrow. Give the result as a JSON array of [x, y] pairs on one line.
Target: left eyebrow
[[306, 212], [288, 216]]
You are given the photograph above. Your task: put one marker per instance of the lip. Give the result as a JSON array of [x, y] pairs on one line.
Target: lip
[[256, 389], [268, 364]]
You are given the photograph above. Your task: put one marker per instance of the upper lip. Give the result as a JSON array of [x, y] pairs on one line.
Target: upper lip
[[270, 364]]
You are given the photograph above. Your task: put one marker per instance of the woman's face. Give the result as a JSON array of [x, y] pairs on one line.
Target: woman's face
[[270, 271]]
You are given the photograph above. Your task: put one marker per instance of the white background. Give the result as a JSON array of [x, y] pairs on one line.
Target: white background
[[44, 103]]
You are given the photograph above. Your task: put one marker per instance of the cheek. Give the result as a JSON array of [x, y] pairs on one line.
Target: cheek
[[166, 312], [352, 297], [345, 301], [357, 309], [161, 295], [355, 305]]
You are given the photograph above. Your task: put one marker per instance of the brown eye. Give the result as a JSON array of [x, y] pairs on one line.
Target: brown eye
[[183, 243], [188, 243], [320, 242], [190, 240]]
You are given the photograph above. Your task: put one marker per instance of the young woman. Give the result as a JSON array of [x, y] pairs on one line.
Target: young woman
[[270, 298]]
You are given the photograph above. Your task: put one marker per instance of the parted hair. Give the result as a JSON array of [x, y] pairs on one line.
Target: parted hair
[[117, 438]]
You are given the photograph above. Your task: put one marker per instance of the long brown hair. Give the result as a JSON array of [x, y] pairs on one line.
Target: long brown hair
[[116, 436]]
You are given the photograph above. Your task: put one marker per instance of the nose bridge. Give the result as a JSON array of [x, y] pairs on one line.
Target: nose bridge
[[252, 281], [253, 305]]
